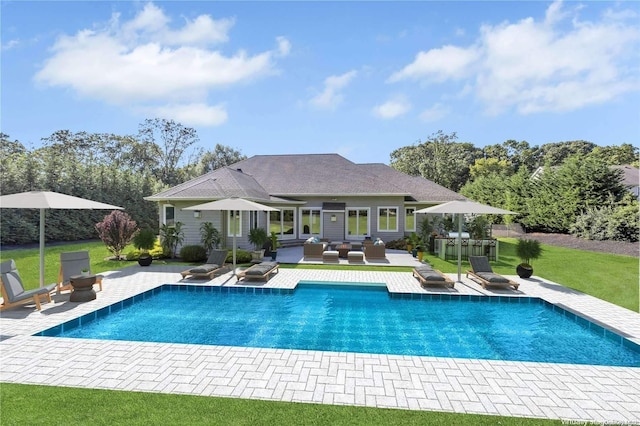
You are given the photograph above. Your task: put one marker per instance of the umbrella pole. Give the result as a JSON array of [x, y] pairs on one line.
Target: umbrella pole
[[459, 247], [42, 212], [234, 241]]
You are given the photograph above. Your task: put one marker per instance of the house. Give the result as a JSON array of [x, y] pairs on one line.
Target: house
[[323, 195]]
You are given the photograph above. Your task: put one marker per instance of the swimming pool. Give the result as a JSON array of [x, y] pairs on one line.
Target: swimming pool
[[357, 319]]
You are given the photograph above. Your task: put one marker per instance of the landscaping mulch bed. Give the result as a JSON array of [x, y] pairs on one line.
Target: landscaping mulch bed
[[569, 241]]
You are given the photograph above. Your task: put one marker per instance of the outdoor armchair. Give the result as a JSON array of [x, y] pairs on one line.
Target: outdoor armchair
[[74, 263], [12, 289]]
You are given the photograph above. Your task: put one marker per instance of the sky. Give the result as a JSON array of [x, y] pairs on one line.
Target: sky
[[360, 79]]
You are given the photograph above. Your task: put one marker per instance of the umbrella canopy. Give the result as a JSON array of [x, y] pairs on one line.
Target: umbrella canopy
[[233, 204], [49, 200], [460, 208]]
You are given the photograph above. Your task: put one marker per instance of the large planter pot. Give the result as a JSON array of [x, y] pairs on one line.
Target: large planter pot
[[420, 255], [145, 260], [257, 254], [524, 271], [274, 254]]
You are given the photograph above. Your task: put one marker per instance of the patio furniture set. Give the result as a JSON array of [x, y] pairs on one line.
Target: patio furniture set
[[354, 252]]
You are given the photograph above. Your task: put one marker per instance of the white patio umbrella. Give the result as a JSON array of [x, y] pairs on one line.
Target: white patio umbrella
[[49, 200], [459, 208], [233, 204]]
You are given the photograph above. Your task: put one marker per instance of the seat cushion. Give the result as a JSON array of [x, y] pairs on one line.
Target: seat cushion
[[204, 269], [492, 278], [429, 274], [260, 269]]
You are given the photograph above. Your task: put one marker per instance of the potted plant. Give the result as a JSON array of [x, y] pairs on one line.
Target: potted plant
[[274, 245], [257, 237], [420, 250], [144, 240], [527, 250], [85, 272], [414, 240]]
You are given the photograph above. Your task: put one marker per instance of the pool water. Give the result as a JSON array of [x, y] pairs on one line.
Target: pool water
[[360, 319]]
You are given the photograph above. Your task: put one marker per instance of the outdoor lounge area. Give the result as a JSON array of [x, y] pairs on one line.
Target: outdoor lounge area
[[528, 389]]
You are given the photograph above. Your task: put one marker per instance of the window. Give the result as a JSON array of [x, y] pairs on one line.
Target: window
[[253, 220], [410, 219], [310, 222], [234, 223], [169, 215], [357, 223], [387, 219], [282, 222]]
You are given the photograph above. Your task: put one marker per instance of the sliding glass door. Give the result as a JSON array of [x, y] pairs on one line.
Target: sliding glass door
[[357, 223], [283, 223]]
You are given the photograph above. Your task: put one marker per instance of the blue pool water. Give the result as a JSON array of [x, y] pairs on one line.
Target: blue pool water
[[359, 319]]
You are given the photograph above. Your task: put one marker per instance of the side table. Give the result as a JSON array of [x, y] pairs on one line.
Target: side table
[[82, 288]]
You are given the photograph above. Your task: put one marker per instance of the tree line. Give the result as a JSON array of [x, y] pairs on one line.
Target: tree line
[[122, 170], [577, 190], [109, 168]]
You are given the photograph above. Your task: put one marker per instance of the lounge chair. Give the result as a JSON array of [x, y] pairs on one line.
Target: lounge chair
[[215, 264], [260, 271], [483, 274], [429, 276], [13, 292], [72, 263]]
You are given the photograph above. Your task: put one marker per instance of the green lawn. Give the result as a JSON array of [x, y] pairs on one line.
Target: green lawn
[[45, 405], [609, 277]]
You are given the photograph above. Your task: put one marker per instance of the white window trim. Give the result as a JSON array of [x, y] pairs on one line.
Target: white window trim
[[346, 222], [300, 225], [415, 219], [230, 221], [282, 236], [164, 213], [397, 218]]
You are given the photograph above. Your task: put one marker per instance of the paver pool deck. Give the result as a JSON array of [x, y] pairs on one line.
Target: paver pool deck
[[511, 388]]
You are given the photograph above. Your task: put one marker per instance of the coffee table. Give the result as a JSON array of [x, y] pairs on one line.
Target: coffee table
[[343, 250]]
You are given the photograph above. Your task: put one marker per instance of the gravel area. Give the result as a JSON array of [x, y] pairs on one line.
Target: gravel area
[[569, 241]]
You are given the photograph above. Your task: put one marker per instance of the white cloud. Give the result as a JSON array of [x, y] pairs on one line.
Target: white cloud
[[392, 108], [145, 64], [331, 96], [560, 63], [10, 44], [435, 113], [196, 114], [448, 62], [284, 46]]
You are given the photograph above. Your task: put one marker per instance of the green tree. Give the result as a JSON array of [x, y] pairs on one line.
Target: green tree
[[563, 193], [440, 159], [172, 141], [220, 156]]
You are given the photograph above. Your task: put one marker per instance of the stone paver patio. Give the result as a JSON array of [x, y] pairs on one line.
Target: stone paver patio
[[527, 389]]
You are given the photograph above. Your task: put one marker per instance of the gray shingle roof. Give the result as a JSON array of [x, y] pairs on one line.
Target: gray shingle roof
[[263, 177]]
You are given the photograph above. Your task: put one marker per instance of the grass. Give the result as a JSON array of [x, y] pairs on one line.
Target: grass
[[609, 277], [24, 405]]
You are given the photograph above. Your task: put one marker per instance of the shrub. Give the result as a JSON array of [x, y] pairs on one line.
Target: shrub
[[209, 235], [144, 240], [157, 252], [194, 253], [116, 231], [171, 237], [396, 244], [528, 250], [242, 256]]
